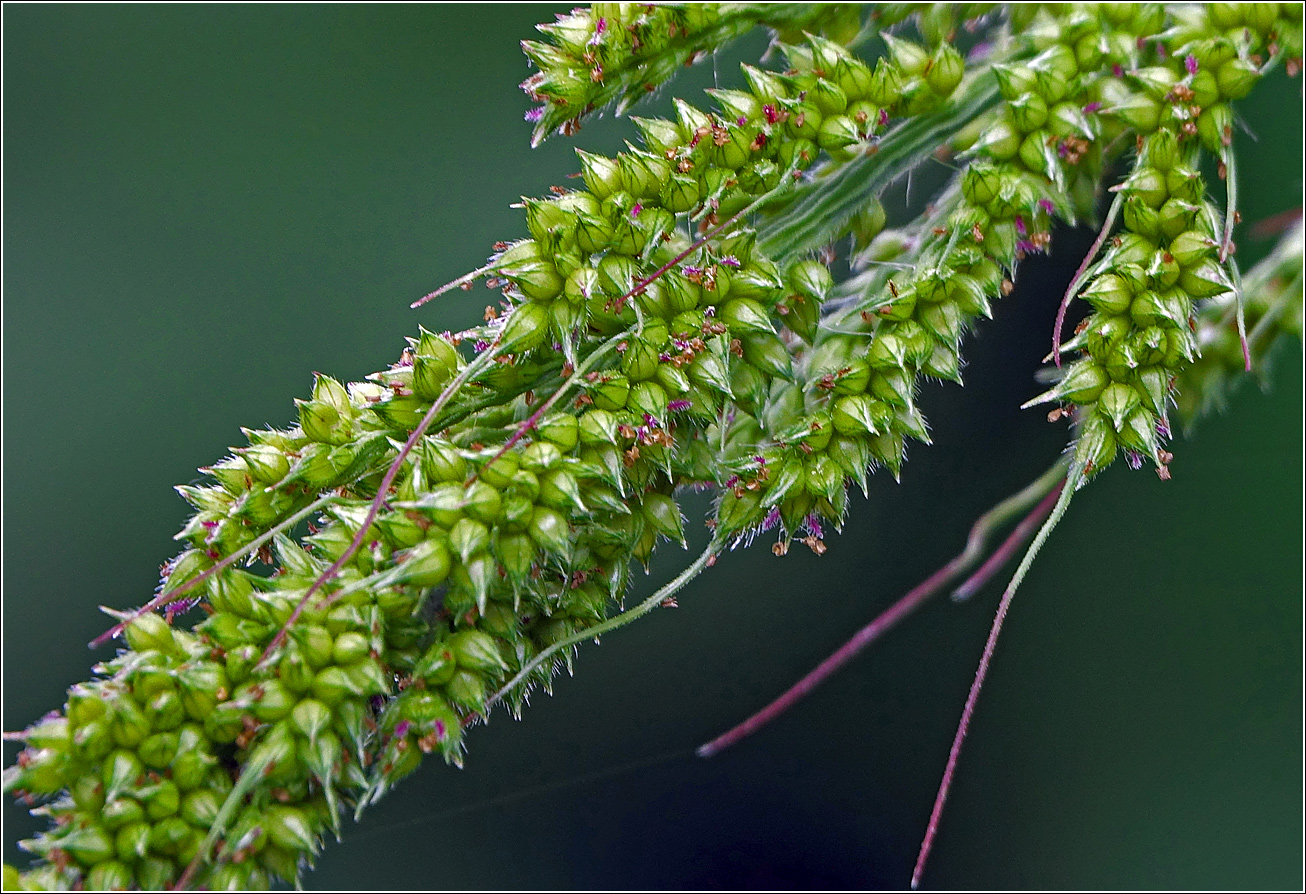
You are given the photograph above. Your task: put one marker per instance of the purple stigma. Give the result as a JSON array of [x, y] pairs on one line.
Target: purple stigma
[[1117, 70], [884, 117], [1020, 225], [731, 261], [677, 405], [814, 525], [1046, 205], [480, 345], [1134, 458], [772, 519], [741, 120], [1190, 64], [634, 212], [402, 728], [180, 607], [535, 114], [1092, 107]]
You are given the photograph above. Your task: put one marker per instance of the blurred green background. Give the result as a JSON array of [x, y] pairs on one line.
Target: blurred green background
[[204, 204]]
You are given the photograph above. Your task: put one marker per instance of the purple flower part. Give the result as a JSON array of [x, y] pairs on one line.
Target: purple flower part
[[378, 702], [1161, 50], [535, 114], [601, 25], [1046, 205], [480, 345], [741, 120], [772, 519], [1163, 427], [979, 51], [691, 270], [732, 481], [709, 312], [760, 460], [677, 405], [731, 261], [1063, 150], [1020, 225], [651, 421], [1027, 247], [1190, 64], [814, 525], [634, 212], [1117, 70], [1134, 458], [1092, 107], [402, 728], [440, 730], [771, 114], [557, 346], [209, 524], [884, 117], [180, 607]]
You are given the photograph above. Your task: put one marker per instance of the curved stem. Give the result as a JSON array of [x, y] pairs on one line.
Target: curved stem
[[176, 592], [1073, 480], [471, 370], [666, 591], [1040, 492], [465, 279], [1082, 274]]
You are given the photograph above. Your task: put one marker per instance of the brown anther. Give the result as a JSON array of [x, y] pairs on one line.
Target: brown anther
[[1164, 455], [1055, 413], [669, 602], [684, 166], [626, 431], [1163, 472], [939, 231], [805, 447], [736, 347], [815, 544], [780, 547], [782, 309], [893, 288], [583, 401], [1007, 286], [500, 246], [630, 457], [976, 233], [758, 142], [596, 74], [490, 313], [1081, 326], [1237, 217], [1189, 128]]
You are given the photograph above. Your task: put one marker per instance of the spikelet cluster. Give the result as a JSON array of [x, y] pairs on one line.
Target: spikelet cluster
[[482, 501]]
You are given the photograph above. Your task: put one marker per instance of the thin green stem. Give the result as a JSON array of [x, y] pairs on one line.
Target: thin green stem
[[661, 595]]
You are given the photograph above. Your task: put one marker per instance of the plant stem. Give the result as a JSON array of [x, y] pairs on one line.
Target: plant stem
[[1073, 480], [667, 590], [175, 593], [1041, 491]]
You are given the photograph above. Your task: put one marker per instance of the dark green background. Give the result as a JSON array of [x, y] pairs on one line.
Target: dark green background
[[204, 204]]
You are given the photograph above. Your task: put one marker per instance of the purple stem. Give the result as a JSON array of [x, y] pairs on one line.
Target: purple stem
[[890, 616], [1015, 540], [1077, 281], [375, 508]]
